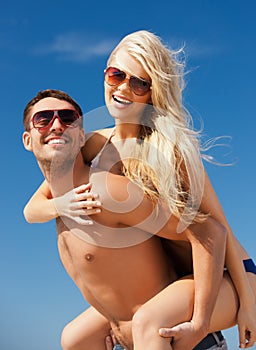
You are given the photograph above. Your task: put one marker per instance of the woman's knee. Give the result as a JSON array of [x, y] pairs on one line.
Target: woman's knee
[[144, 324], [68, 338]]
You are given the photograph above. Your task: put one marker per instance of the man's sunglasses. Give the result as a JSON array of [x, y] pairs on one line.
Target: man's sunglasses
[[115, 76], [44, 119]]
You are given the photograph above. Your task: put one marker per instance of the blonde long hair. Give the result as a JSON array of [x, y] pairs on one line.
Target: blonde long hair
[[166, 161]]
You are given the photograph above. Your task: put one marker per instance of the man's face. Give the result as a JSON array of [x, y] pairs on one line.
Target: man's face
[[56, 144]]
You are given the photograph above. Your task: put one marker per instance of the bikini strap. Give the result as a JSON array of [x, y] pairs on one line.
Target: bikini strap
[[95, 161]]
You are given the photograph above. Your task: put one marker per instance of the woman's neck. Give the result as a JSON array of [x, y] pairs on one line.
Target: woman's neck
[[126, 131]]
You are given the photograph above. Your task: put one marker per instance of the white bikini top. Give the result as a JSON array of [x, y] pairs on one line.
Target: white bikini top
[[95, 161]]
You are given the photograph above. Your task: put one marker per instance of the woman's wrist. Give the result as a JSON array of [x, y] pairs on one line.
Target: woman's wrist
[[54, 205]]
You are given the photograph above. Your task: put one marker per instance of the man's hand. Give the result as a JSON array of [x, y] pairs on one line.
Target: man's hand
[[184, 336], [111, 343]]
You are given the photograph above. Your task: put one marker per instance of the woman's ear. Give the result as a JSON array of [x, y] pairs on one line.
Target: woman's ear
[[26, 138]]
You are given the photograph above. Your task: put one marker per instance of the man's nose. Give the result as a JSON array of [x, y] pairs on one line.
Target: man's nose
[[56, 124]]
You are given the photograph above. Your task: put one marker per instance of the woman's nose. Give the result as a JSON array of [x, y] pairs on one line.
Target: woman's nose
[[125, 84]]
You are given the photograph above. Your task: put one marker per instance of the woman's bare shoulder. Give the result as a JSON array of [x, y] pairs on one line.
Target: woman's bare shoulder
[[94, 142], [98, 134]]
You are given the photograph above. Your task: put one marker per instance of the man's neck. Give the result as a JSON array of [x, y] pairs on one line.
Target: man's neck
[[62, 180]]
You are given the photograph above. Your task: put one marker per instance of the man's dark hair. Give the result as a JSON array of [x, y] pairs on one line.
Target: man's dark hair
[[60, 95]]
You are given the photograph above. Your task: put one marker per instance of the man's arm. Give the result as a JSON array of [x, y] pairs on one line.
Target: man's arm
[[208, 247], [208, 241]]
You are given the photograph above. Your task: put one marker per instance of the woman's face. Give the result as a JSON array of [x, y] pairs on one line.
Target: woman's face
[[122, 102]]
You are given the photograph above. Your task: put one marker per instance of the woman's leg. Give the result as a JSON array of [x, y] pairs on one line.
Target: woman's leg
[[87, 331], [174, 305], [251, 275], [252, 280]]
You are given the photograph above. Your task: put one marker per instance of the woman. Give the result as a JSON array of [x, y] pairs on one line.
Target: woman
[[150, 109]]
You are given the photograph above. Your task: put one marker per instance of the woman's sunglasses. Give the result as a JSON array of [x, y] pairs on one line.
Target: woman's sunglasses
[[115, 76], [44, 119]]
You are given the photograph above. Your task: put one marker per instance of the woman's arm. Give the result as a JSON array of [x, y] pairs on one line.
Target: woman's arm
[[40, 207], [208, 242], [75, 204]]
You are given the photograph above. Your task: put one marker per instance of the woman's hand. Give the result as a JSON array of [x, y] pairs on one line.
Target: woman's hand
[[77, 203], [246, 320]]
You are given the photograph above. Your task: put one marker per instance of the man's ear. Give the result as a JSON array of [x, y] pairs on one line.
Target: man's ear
[[82, 138], [26, 138]]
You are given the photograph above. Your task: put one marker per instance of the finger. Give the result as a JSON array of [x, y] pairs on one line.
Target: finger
[[85, 205], [249, 344], [167, 332], [85, 196], [251, 339], [114, 340], [83, 188], [90, 204], [91, 211], [84, 222], [242, 338], [83, 212], [76, 210], [108, 343]]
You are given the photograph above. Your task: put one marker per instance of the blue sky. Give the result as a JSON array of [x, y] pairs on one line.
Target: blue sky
[[65, 45]]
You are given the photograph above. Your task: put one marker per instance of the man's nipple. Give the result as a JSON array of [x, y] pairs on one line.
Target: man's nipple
[[89, 257]]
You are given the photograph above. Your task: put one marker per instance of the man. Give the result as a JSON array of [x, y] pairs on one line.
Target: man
[[119, 252]]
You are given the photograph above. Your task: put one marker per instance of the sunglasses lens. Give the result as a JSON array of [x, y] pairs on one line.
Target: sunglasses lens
[[139, 87], [114, 76], [68, 116], [42, 119]]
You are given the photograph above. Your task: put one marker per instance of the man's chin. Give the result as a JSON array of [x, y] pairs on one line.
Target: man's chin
[[57, 146]]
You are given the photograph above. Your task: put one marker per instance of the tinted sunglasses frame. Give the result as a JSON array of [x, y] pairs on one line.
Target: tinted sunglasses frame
[[139, 86], [50, 115]]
